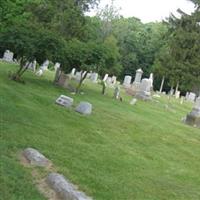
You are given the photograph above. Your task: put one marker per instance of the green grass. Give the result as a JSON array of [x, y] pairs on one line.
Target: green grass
[[120, 152]]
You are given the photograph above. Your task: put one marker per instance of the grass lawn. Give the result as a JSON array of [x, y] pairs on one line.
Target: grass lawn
[[120, 152]]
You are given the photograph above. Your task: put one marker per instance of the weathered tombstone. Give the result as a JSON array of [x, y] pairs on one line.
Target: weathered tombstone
[[78, 76], [151, 79], [177, 94], [193, 118], [73, 72], [35, 157], [56, 66], [133, 101], [138, 76], [8, 56], [182, 100], [65, 101], [40, 72], [127, 81], [114, 80], [137, 81], [105, 77], [109, 81], [57, 75], [64, 189], [191, 97], [144, 92], [45, 65], [32, 65], [63, 80], [117, 92], [94, 77], [84, 108]]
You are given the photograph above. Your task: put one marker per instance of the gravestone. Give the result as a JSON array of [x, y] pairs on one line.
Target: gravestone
[[151, 79], [105, 77], [45, 65], [73, 72], [177, 94], [94, 77], [193, 118], [8, 56], [114, 80], [84, 108], [191, 97], [133, 101], [137, 81], [138, 76], [109, 81], [57, 75], [78, 76], [64, 189], [63, 80], [56, 66], [65, 101], [117, 92], [182, 100], [40, 72], [32, 65], [127, 81], [144, 92], [35, 157]]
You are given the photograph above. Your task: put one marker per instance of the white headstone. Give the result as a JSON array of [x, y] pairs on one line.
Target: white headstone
[[197, 103], [65, 101], [138, 76], [8, 56], [127, 81], [105, 77], [177, 94], [73, 72], [114, 80], [45, 65], [78, 76], [109, 81], [39, 72], [151, 79], [56, 66], [145, 85], [94, 77], [191, 97]]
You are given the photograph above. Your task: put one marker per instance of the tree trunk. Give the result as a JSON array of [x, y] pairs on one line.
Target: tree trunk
[[103, 88], [81, 81], [162, 83]]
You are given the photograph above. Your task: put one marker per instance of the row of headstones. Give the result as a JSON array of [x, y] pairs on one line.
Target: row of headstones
[[93, 76], [8, 56], [57, 182], [84, 108], [141, 87]]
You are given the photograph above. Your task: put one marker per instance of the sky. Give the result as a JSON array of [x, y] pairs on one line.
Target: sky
[[149, 10]]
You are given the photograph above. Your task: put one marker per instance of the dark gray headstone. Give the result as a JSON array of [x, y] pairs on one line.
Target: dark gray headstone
[[64, 189]]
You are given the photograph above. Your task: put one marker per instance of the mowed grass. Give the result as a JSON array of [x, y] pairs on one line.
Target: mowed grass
[[120, 152]]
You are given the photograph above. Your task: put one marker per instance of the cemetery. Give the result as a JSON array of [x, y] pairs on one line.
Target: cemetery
[[96, 141], [99, 100]]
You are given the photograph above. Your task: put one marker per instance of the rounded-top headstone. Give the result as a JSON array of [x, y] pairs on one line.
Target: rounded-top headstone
[[64, 189], [84, 108], [35, 157]]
